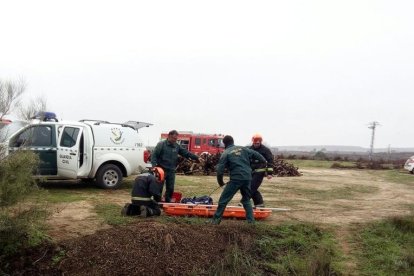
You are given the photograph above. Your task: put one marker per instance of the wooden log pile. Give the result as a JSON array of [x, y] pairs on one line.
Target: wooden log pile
[[208, 167], [282, 168]]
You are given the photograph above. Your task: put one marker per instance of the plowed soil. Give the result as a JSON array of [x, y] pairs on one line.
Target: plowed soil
[[146, 247]]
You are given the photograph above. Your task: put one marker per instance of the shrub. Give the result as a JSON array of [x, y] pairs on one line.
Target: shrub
[[21, 222], [16, 180]]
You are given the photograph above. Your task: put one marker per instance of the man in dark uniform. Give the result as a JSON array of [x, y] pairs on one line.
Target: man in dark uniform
[[165, 155], [145, 195], [237, 161], [260, 170]]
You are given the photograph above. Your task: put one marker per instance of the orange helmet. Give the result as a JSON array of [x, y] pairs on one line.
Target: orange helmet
[[159, 174], [257, 138]]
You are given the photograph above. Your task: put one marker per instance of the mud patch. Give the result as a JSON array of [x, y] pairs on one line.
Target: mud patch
[[73, 219]]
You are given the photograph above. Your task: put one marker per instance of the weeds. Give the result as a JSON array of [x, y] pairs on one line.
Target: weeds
[[297, 249], [236, 262], [388, 247], [111, 214]]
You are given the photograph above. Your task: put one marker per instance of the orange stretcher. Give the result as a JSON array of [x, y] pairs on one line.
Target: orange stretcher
[[181, 209]]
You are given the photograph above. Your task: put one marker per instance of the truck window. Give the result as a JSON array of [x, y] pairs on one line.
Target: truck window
[[22, 139], [42, 136], [197, 141], [37, 136], [69, 136], [204, 141]]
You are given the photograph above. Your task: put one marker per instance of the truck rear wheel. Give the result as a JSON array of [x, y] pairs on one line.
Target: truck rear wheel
[[109, 176]]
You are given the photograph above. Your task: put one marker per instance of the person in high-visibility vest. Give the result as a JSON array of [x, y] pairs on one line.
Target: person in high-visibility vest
[[145, 194], [260, 170]]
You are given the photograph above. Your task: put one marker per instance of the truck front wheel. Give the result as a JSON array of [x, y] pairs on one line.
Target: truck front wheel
[[109, 176]]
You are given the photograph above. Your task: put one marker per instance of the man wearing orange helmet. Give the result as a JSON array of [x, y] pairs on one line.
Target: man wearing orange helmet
[[146, 185], [259, 169]]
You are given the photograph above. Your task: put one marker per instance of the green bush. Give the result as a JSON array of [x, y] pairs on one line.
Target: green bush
[[21, 221], [16, 180], [24, 229]]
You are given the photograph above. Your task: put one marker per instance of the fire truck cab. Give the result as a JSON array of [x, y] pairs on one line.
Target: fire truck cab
[[199, 143]]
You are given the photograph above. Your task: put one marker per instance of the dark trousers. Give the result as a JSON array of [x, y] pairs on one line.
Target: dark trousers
[[153, 208], [257, 179], [169, 184], [229, 191]]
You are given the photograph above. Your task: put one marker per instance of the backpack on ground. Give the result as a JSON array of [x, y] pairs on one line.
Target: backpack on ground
[[198, 200]]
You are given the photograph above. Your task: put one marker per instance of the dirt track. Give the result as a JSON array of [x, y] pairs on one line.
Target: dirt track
[[330, 196]]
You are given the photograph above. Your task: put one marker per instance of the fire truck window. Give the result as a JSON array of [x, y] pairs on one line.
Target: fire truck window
[[198, 141], [184, 144], [204, 141], [211, 142], [220, 143], [69, 137]]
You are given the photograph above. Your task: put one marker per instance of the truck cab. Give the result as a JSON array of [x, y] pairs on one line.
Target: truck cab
[[88, 149]]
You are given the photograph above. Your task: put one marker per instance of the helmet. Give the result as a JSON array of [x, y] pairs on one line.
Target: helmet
[[257, 138], [159, 174]]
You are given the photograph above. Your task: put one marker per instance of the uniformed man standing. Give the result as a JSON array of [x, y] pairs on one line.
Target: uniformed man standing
[[165, 155], [237, 161]]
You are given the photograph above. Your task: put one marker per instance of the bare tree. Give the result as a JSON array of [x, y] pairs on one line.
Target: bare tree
[[10, 92], [35, 106]]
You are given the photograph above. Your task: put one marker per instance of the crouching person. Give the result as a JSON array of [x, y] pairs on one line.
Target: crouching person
[[145, 195]]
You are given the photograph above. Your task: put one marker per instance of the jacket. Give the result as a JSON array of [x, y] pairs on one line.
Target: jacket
[[266, 153], [145, 187], [237, 160], [166, 154]]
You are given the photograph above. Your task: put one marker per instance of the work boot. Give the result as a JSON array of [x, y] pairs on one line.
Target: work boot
[[259, 205], [143, 211], [124, 211]]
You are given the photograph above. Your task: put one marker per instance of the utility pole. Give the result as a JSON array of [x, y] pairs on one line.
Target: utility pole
[[372, 126]]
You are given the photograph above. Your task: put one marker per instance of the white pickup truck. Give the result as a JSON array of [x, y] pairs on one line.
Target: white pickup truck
[[88, 149]]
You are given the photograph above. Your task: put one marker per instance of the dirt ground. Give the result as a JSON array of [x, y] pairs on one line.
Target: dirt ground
[[326, 196], [151, 246], [346, 196]]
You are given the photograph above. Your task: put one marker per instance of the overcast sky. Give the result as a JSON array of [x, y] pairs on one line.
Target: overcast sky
[[298, 72]]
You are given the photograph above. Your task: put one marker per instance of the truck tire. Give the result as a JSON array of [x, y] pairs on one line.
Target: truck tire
[[109, 176]]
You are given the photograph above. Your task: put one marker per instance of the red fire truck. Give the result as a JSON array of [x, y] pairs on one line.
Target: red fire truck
[[199, 143]]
